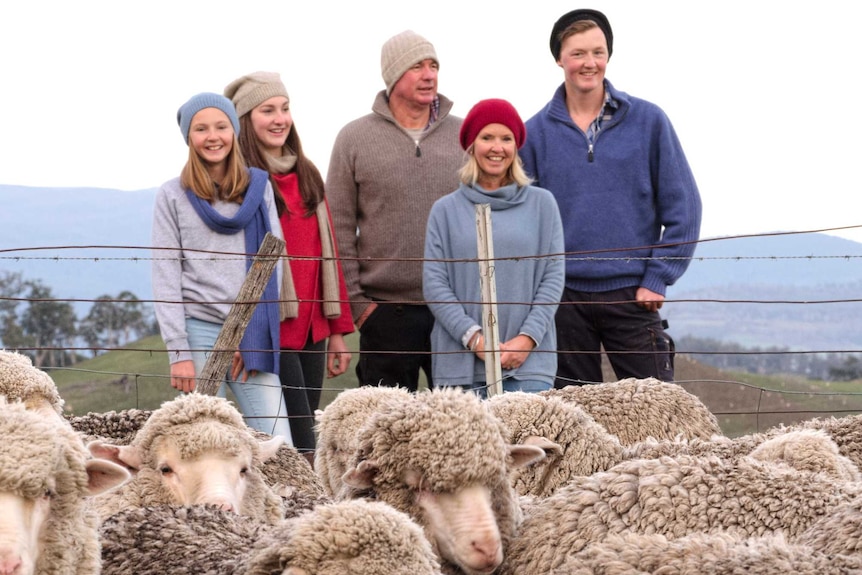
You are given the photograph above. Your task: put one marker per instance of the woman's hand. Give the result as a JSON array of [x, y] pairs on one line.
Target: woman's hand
[[337, 356], [183, 376], [515, 351]]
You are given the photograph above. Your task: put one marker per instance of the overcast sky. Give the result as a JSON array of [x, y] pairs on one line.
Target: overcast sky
[[761, 94]]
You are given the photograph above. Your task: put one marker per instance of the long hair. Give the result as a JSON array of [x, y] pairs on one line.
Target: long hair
[[196, 178], [470, 171], [311, 188]]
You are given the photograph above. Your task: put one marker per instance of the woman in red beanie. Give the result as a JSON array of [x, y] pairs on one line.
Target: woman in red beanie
[[526, 227]]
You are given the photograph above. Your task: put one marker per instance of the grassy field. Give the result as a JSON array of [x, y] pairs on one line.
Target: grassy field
[[137, 377]]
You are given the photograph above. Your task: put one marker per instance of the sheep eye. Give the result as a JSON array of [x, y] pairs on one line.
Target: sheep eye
[[243, 471], [49, 494], [166, 469]]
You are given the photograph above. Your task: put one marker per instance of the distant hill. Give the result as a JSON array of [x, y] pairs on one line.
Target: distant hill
[[790, 268]]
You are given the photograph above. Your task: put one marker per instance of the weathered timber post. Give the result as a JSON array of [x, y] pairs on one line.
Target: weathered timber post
[[217, 364], [490, 329]]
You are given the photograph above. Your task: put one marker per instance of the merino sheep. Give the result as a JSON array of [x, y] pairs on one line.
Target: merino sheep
[[21, 381], [805, 446], [286, 472], [46, 474], [830, 545], [704, 554], [442, 458], [357, 537], [194, 449], [338, 430], [573, 442], [674, 497], [636, 409]]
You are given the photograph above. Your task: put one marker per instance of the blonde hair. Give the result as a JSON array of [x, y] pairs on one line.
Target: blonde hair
[[232, 188], [470, 171]]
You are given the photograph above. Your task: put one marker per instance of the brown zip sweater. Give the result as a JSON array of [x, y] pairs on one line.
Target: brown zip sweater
[[381, 186]]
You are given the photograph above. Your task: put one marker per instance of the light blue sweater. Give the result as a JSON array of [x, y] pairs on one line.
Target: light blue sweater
[[525, 223]]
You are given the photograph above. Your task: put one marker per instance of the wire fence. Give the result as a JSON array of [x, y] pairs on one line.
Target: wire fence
[[740, 405]]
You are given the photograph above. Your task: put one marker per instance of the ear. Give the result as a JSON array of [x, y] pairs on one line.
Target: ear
[[361, 476], [124, 455], [105, 475], [523, 455], [269, 448], [550, 448]]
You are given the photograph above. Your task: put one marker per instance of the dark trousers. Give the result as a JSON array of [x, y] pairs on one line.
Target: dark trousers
[[402, 333], [301, 374], [635, 339]]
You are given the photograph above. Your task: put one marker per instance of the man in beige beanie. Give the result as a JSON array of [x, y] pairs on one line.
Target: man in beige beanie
[[386, 171]]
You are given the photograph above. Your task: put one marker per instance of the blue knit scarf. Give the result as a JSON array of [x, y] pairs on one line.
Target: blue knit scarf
[[260, 343]]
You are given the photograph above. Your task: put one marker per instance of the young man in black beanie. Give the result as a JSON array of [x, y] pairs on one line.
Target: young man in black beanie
[[629, 203]]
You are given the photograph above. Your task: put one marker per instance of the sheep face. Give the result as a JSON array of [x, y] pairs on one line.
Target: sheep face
[[22, 520], [209, 478], [443, 460], [43, 481], [464, 526], [206, 462]]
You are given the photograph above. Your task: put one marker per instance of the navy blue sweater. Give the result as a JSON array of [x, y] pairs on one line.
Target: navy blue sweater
[[631, 209]]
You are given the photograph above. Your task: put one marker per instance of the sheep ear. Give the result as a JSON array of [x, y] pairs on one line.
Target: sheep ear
[[124, 455], [361, 476], [104, 476], [523, 455], [269, 448], [550, 448]]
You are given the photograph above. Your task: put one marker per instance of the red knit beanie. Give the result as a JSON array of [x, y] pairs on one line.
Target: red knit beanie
[[493, 111]]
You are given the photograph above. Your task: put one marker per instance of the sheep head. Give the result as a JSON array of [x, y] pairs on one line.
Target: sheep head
[[443, 460]]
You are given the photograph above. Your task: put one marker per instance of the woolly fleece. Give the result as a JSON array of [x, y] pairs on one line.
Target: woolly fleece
[[674, 497], [574, 443], [636, 409], [338, 428], [20, 381]]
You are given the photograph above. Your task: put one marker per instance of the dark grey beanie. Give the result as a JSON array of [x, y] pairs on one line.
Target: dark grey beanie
[[581, 14]]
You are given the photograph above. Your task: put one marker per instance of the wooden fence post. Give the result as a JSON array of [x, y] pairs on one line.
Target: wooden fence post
[[239, 316], [490, 329]]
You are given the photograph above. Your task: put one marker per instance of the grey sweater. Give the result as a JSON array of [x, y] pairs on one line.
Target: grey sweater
[[189, 283], [381, 186]]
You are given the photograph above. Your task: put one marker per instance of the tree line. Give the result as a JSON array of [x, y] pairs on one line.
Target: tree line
[[730, 356], [47, 329]]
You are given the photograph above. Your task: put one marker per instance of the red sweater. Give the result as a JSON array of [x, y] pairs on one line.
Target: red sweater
[[302, 238]]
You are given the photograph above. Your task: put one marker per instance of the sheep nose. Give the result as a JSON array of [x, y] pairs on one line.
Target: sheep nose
[[10, 563], [490, 553]]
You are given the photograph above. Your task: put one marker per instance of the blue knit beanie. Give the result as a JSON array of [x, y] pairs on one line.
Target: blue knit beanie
[[205, 100]]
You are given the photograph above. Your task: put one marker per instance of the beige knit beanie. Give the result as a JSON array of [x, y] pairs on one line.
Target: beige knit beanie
[[400, 53], [249, 91]]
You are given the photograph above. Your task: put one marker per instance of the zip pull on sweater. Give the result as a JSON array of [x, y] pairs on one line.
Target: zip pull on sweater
[[590, 154], [418, 150]]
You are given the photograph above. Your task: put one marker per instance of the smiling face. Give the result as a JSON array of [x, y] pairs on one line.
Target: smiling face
[[271, 121], [211, 137], [583, 58], [418, 85], [494, 150]]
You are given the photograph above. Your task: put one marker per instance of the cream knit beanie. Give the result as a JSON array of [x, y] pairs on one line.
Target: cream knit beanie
[[249, 91], [400, 53]]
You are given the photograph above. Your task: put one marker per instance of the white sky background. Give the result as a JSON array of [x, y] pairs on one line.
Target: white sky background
[[761, 94]]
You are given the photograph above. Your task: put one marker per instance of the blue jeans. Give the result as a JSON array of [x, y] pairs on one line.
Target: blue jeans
[[509, 384], [260, 399]]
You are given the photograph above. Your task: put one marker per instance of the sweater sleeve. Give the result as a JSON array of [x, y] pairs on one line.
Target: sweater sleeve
[[679, 210], [167, 277], [342, 190], [436, 285]]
